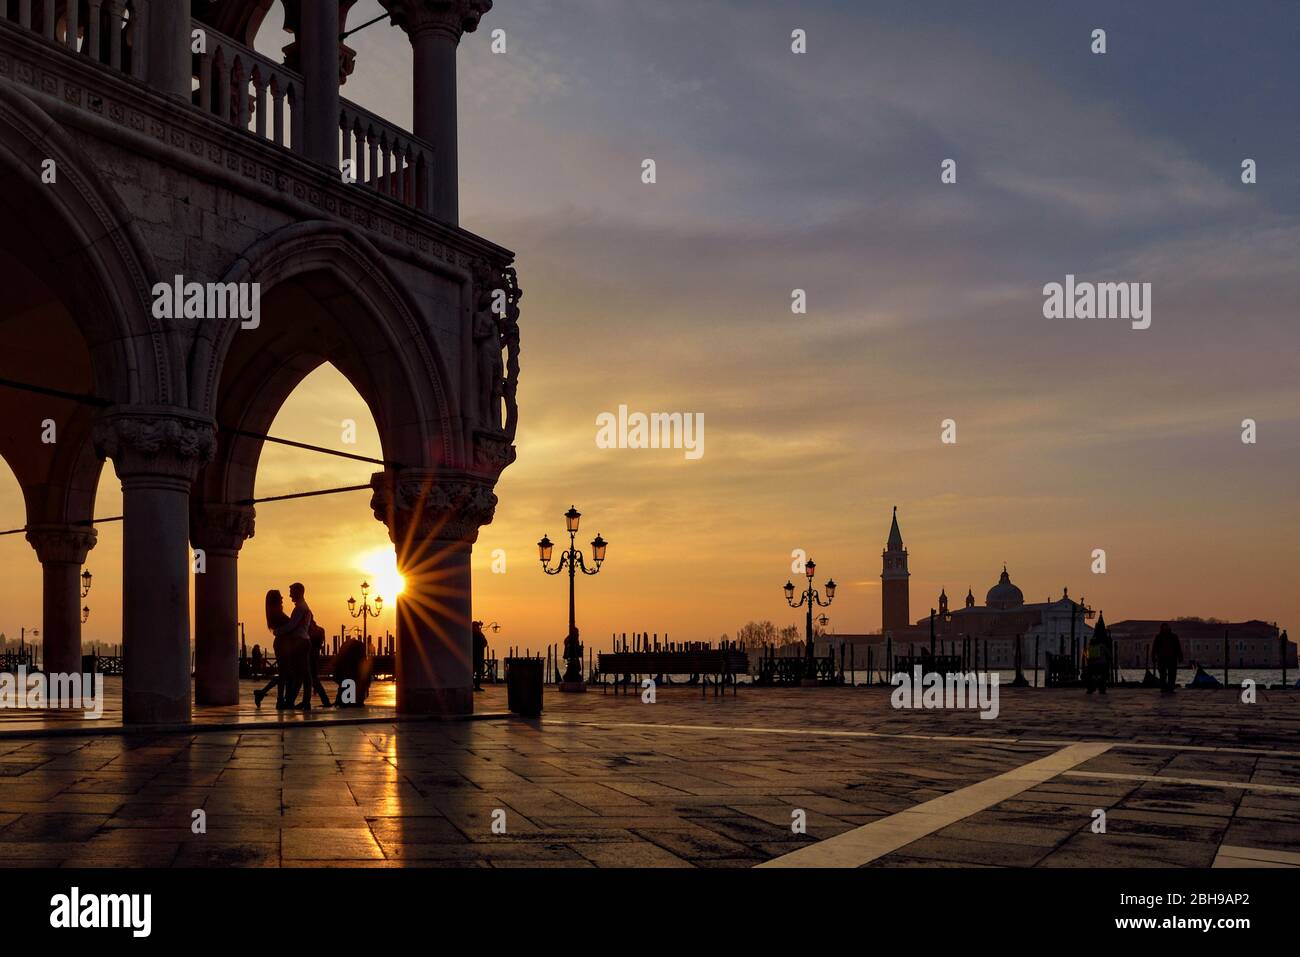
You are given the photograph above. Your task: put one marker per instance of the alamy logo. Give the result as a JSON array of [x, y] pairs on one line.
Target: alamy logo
[[1102, 300], [81, 692], [932, 691], [215, 300], [658, 430], [73, 910]]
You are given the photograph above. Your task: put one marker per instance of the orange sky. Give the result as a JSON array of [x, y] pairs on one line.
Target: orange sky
[[699, 547], [778, 172]]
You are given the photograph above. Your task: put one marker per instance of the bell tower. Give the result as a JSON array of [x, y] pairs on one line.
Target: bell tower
[[893, 581]]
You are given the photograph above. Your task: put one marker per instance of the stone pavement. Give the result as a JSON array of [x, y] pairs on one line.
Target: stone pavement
[[381, 702], [1193, 779]]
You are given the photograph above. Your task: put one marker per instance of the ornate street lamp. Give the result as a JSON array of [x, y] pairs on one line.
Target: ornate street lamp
[[85, 582], [810, 597], [572, 559], [365, 611], [85, 613]]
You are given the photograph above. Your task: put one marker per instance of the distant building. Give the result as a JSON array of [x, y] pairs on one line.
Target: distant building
[[1057, 626], [893, 580], [1250, 644]]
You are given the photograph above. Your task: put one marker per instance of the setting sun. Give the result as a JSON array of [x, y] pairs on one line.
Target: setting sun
[[380, 567]]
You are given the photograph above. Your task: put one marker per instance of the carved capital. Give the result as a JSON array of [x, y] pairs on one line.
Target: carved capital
[[68, 544], [155, 441], [449, 17], [221, 527], [422, 505]]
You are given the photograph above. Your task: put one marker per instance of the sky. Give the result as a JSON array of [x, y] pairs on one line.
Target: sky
[[820, 171]]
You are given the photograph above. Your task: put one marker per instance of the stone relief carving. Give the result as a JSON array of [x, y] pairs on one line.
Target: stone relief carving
[[496, 330]]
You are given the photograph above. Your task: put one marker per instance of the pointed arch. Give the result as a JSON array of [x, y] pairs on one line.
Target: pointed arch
[[348, 308], [82, 242]]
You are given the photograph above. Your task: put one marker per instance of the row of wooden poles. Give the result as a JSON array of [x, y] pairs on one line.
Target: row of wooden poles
[[644, 641], [973, 652]]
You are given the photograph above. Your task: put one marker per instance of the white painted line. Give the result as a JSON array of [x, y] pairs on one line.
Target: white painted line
[[1233, 856], [864, 844], [1197, 782], [974, 739]]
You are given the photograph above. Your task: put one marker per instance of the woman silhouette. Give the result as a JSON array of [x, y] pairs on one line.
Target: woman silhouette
[[292, 658]]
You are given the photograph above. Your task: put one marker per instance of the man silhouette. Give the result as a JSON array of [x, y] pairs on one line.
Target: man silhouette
[[480, 655], [1168, 652], [299, 626]]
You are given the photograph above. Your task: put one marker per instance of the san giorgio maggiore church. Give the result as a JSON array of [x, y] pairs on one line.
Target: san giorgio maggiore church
[[995, 624], [1052, 625]]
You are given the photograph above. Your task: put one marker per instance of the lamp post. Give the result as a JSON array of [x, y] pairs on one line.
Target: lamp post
[[85, 582], [365, 612], [85, 613], [810, 597], [572, 559]]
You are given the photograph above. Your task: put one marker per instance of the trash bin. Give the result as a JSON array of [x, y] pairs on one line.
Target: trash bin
[[524, 686]]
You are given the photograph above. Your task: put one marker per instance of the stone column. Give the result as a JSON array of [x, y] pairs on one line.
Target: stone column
[[157, 452], [62, 550], [433, 518], [220, 531], [435, 28], [318, 46], [168, 66]]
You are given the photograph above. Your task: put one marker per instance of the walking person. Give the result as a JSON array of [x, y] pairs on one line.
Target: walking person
[[480, 655], [317, 646], [1168, 652], [1096, 673]]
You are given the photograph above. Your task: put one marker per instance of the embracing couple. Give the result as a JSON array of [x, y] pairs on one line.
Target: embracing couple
[[298, 644]]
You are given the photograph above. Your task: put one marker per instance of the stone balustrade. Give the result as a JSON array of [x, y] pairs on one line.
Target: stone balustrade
[[245, 90], [249, 91], [384, 157], [110, 35]]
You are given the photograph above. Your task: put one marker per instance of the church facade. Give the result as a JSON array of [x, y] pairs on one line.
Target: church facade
[[1055, 625], [1050, 626]]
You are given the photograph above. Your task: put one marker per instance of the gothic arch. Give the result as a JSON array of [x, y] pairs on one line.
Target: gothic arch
[[80, 239], [365, 323]]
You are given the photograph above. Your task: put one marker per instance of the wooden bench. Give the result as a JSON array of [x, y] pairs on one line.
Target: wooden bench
[[791, 670], [724, 664]]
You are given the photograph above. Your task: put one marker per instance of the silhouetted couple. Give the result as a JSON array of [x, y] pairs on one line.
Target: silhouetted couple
[[298, 643]]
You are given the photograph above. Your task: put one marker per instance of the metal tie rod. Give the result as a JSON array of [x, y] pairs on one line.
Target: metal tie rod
[[102, 403]]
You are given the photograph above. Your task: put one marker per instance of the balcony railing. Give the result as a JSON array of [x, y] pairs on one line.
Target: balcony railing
[[111, 33], [234, 84], [241, 87], [384, 157]]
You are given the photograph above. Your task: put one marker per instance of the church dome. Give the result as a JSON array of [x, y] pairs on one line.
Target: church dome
[[1004, 594]]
